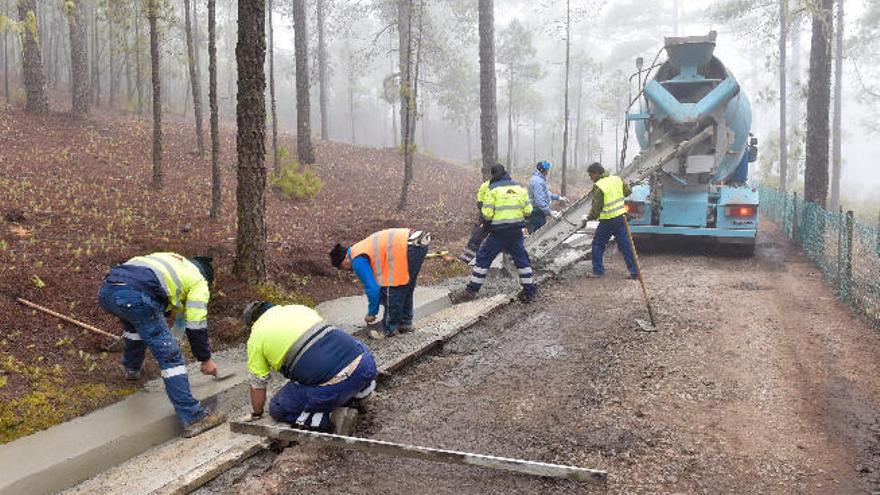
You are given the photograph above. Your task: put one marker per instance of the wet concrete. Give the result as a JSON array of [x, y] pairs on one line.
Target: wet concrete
[[348, 312]]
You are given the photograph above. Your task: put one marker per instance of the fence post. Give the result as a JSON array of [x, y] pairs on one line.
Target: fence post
[[847, 271], [794, 218]]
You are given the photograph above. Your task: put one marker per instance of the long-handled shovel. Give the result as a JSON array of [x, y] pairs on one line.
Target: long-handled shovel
[[644, 325], [115, 346]]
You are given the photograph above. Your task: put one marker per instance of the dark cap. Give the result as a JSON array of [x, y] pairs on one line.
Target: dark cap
[[337, 255], [497, 171], [596, 168], [203, 263], [253, 311]]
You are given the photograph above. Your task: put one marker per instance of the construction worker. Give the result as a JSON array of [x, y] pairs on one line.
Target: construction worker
[[326, 366], [609, 193], [481, 228], [541, 197], [388, 264], [139, 292], [505, 208]]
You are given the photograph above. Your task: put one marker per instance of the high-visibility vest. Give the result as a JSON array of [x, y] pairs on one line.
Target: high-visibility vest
[[275, 332], [612, 192], [481, 194], [506, 203], [387, 252], [183, 283]]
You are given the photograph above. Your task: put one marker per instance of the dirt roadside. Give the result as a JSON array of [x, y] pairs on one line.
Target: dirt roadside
[[758, 381]]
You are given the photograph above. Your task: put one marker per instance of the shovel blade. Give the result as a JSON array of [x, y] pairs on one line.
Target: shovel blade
[[645, 325]]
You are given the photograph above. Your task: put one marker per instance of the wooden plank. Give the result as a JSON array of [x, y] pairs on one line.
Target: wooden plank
[[201, 475], [284, 432]]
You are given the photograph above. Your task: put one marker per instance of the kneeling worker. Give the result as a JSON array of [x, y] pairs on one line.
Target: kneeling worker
[[388, 264], [139, 292], [326, 366]]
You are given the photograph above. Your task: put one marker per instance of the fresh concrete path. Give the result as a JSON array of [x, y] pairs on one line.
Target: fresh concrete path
[[54, 459]]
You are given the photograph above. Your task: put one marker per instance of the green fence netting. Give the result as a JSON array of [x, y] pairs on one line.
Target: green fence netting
[[847, 251]]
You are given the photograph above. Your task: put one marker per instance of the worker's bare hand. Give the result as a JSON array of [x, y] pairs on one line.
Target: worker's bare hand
[[369, 319], [209, 367]]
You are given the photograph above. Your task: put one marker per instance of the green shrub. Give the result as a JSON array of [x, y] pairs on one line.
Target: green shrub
[[278, 295], [292, 183]]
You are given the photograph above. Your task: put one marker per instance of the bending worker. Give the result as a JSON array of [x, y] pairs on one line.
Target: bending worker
[[481, 228], [139, 292], [505, 208], [387, 264], [609, 193], [541, 197], [326, 366]]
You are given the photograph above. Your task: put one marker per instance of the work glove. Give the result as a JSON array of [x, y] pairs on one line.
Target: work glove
[[563, 199], [555, 214]]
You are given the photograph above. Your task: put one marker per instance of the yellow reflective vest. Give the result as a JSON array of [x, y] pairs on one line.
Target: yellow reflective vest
[[506, 203], [183, 283], [274, 333], [612, 192], [481, 194]]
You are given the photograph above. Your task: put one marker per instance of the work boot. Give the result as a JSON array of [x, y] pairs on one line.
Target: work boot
[[526, 298], [633, 276], [131, 375], [406, 329], [595, 275], [462, 296], [208, 421], [376, 334]]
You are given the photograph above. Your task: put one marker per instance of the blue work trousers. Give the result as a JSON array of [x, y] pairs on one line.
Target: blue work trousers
[[536, 220], [510, 241], [478, 234], [309, 406], [398, 301], [145, 327], [615, 227]]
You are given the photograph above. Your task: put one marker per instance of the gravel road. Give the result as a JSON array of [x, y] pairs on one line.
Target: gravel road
[[758, 381]]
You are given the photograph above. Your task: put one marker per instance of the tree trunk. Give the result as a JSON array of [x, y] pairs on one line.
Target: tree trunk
[[197, 44], [509, 114], [216, 194], [276, 162], [79, 78], [395, 135], [836, 135], [467, 137], [304, 150], [818, 98], [137, 47], [96, 59], [152, 16], [250, 249], [488, 109], [408, 98], [322, 72], [783, 126], [32, 62], [795, 118], [404, 30], [129, 88], [564, 189], [6, 58], [194, 79], [111, 51]]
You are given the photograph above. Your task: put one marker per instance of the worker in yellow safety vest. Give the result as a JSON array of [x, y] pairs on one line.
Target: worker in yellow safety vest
[[140, 292], [505, 209], [609, 207], [326, 366], [387, 264]]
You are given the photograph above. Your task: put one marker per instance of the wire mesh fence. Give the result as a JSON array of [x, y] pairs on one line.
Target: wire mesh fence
[[847, 251]]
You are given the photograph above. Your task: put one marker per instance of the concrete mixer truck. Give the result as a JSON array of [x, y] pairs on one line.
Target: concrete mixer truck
[[702, 193], [692, 121]]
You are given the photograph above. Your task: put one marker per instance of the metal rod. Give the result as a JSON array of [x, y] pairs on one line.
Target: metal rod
[[639, 268], [67, 318], [284, 432]]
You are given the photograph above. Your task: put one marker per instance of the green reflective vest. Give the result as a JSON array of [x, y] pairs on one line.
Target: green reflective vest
[[612, 191], [274, 333], [481, 194], [186, 288], [506, 202]]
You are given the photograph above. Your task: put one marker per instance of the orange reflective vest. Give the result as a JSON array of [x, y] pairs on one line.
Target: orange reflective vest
[[387, 251]]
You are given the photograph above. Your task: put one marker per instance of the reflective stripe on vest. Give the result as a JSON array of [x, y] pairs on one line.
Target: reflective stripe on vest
[[612, 192], [506, 203], [387, 252], [182, 282]]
